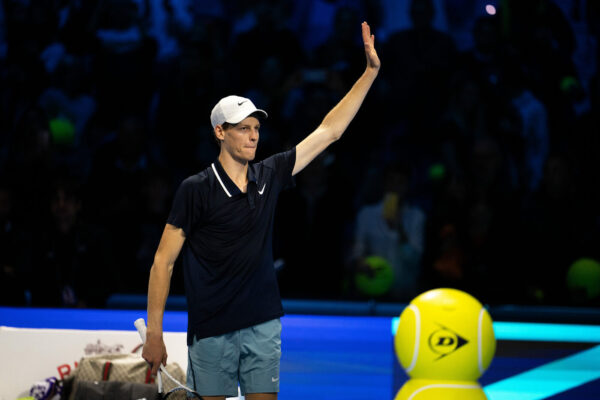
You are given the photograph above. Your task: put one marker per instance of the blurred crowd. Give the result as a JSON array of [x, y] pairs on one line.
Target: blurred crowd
[[472, 163]]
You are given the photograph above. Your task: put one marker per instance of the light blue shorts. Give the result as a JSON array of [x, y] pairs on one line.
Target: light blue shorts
[[249, 356]]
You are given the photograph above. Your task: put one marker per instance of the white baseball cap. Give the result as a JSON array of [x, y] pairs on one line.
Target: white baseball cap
[[233, 109]]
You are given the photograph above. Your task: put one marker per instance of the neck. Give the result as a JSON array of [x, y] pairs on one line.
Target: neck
[[236, 169]]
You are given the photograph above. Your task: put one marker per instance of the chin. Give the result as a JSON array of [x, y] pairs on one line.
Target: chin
[[246, 156], [251, 155]]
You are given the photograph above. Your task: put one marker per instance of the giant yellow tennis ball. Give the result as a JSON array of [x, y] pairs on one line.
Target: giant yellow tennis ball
[[427, 389], [445, 334]]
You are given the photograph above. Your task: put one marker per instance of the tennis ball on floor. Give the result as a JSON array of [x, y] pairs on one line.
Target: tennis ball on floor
[[584, 274], [379, 281], [445, 334], [427, 389]]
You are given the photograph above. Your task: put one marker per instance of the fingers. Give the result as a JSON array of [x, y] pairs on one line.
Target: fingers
[[368, 38], [155, 367], [366, 32], [155, 355], [369, 43]]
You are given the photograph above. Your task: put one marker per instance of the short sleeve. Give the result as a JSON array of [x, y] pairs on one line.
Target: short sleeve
[[187, 206], [283, 165]]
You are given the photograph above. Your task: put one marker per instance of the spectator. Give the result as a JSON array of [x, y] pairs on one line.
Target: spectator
[[484, 60], [470, 230], [420, 61], [337, 53], [556, 231], [462, 124], [69, 105], [114, 192], [69, 96], [186, 86], [543, 42], [71, 259], [534, 125], [393, 228], [123, 66], [275, 39]]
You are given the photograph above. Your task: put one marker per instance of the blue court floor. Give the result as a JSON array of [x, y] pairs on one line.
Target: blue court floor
[[351, 357]]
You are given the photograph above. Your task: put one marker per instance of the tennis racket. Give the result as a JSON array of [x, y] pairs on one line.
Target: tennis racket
[[140, 325]]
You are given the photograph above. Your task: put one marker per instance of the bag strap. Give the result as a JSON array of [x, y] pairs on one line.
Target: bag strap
[[149, 378], [106, 370]]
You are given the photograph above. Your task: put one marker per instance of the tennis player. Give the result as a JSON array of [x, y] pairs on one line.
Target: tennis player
[[222, 222]]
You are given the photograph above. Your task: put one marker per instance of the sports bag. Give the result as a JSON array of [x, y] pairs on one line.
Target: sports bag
[[119, 368], [103, 390]]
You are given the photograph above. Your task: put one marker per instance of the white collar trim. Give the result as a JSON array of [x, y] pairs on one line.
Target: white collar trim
[[220, 181]]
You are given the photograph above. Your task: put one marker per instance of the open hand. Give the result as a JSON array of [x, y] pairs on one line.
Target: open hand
[[369, 42]]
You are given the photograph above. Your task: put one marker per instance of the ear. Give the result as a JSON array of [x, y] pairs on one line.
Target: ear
[[219, 133]]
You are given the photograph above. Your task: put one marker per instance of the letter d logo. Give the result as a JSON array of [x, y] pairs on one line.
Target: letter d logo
[[445, 341]]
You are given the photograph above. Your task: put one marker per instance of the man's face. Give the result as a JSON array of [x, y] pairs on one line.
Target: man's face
[[240, 140]]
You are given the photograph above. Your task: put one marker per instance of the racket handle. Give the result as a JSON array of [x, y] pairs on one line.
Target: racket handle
[[159, 379], [140, 325]]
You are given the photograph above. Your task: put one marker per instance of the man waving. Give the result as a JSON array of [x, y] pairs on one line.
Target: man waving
[[222, 223]]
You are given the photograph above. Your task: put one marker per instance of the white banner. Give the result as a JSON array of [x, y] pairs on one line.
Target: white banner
[[31, 355]]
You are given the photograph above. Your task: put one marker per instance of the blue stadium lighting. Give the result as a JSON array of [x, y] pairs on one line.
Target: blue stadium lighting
[[549, 379], [547, 332]]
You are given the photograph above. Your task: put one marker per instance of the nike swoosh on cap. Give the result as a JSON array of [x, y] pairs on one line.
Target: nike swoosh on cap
[[242, 102]]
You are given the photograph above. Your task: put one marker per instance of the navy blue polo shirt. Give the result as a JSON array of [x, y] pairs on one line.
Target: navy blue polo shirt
[[230, 282]]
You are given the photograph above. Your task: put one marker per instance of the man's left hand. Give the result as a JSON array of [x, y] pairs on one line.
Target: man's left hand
[[369, 42]]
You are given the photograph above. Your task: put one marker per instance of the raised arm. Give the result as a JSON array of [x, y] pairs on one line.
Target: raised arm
[[158, 290], [337, 120]]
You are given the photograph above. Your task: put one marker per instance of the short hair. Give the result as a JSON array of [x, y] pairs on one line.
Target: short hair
[[257, 114], [227, 125]]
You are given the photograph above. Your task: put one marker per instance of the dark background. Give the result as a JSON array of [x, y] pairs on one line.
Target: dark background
[[104, 110]]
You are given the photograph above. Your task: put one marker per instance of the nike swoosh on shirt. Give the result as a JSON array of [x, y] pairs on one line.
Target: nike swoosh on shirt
[[262, 190], [274, 379]]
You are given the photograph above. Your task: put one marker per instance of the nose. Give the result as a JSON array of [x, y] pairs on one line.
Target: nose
[[254, 135]]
